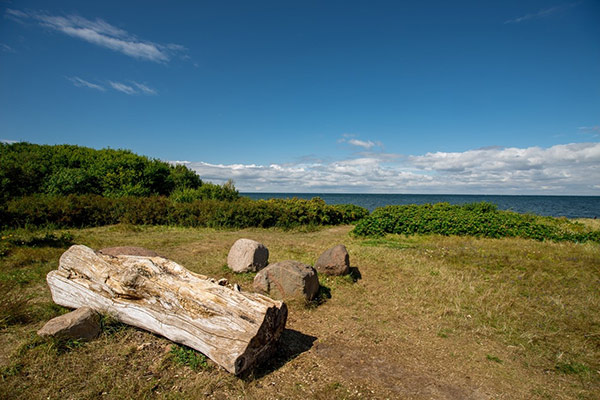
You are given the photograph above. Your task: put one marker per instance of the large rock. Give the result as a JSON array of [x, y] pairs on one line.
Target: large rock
[[247, 256], [128, 251], [334, 261], [83, 323], [288, 279]]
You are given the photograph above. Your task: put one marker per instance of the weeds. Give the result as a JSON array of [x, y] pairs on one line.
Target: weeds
[[574, 368], [110, 325], [493, 358], [183, 355], [14, 304]]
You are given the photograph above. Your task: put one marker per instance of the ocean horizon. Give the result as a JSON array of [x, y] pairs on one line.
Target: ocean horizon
[[572, 206]]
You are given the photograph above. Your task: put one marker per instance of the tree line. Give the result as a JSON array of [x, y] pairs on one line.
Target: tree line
[[60, 170]]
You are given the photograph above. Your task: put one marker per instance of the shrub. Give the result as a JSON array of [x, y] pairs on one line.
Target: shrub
[[208, 191], [478, 219], [94, 210], [27, 169]]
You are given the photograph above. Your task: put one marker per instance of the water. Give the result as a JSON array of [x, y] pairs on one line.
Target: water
[[555, 206]]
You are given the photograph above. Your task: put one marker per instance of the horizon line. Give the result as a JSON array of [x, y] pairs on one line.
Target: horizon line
[[427, 194]]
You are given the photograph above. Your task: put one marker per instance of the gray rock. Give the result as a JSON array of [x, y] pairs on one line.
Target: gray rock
[[247, 256], [128, 251], [83, 323], [288, 279], [334, 261]]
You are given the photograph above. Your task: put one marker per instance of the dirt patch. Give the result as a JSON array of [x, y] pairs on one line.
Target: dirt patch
[[356, 364]]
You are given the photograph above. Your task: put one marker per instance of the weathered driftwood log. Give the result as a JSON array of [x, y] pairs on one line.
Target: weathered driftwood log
[[234, 329]]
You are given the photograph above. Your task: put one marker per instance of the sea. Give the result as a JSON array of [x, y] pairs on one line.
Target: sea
[[554, 206]]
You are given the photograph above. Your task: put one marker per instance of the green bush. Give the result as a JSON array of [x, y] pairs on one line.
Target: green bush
[[95, 210], [208, 191], [27, 169], [477, 219]]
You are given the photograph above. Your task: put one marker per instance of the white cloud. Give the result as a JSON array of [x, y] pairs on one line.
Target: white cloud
[[121, 87], [361, 143], [134, 88], [561, 169], [7, 141], [594, 131], [83, 83], [15, 13], [350, 139], [6, 48], [145, 89], [103, 34], [540, 14]]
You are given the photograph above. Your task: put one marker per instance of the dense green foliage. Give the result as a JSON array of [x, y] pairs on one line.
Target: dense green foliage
[[27, 169], [95, 210], [476, 219]]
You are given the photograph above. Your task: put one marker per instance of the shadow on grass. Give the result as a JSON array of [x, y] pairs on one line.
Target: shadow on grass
[[291, 344], [355, 274], [47, 240], [322, 296]]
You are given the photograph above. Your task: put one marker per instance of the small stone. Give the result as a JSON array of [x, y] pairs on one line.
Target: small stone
[[128, 251], [288, 279], [237, 288], [247, 255], [83, 323], [334, 261], [223, 282]]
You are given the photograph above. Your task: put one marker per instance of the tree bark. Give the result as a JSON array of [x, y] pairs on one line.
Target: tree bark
[[234, 329]]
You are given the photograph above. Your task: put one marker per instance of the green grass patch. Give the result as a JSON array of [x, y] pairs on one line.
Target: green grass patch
[[183, 355], [390, 244], [572, 368], [493, 358]]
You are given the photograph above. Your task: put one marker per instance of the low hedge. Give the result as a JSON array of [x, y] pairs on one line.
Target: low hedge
[[94, 210], [476, 219]]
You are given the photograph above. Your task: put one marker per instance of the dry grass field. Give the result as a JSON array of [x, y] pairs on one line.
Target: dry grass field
[[422, 317]]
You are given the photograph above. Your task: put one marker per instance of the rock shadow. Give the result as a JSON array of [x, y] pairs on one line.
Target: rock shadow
[[291, 344], [355, 274]]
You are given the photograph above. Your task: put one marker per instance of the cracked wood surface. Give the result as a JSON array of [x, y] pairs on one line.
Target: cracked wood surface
[[234, 329]]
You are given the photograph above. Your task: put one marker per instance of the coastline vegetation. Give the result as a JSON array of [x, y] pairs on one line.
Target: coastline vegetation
[[475, 219], [73, 186]]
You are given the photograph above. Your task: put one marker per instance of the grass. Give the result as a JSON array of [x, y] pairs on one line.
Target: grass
[[422, 316], [185, 356]]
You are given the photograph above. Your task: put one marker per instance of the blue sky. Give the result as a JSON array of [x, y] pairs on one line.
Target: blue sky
[[324, 96]]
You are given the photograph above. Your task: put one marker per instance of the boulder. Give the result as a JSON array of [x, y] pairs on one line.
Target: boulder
[[288, 279], [334, 261], [128, 251], [247, 256], [83, 323]]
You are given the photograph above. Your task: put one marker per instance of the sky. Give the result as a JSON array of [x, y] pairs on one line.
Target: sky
[[465, 97]]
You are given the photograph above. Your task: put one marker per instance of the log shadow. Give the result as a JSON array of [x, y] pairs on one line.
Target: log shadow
[[291, 344]]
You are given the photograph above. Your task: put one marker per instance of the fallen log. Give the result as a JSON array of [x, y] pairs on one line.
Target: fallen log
[[234, 329]]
